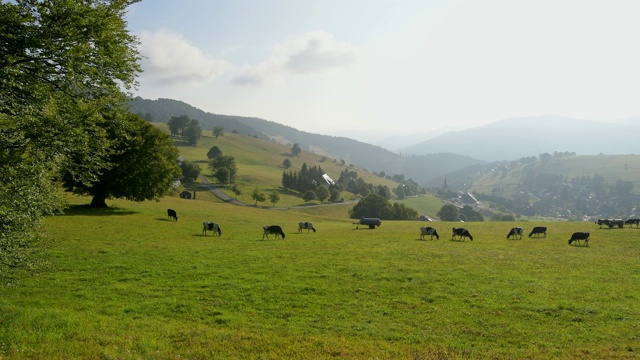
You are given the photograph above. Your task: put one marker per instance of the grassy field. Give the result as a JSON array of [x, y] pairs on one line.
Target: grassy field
[[127, 283]]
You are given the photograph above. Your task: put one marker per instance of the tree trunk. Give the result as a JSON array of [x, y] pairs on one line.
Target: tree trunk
[[99, 201]]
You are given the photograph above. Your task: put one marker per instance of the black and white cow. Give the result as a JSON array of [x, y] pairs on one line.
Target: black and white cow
[[580, 236], [601, 222], [211, 226], [172, 214], [428, 230], [272, 229], [632, 221], [461, 232], [305, 225], [516, 231], [538, 230]]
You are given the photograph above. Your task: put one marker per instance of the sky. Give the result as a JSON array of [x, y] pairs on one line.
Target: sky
[[374, 68]]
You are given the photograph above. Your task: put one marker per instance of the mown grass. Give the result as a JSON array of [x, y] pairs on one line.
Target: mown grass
[[128, 283]]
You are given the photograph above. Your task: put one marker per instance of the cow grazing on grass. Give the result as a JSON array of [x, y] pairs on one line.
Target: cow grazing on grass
[[516, 231], [633, 221], [305, 225], [428, 230], [172, 214], [580, 236], [272, 229], [601, 222], [461, 232], [211, 226], [538, 230]]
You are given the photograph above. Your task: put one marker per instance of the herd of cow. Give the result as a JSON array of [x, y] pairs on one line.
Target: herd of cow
[[266, 230], [457, 234]]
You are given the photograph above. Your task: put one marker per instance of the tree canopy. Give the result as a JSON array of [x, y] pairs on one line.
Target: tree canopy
[[65, 69], [143, 165]]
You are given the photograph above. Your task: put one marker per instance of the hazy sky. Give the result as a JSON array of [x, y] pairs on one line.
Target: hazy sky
[[392, 67]]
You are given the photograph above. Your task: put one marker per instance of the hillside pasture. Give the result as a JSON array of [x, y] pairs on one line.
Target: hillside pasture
[[127, 283], [260, 166]]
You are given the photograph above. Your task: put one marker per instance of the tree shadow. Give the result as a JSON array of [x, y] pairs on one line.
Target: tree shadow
[[87, 210]]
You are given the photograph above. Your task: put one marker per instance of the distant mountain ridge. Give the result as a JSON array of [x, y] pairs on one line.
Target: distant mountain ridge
[[515, 138], [373, 158]]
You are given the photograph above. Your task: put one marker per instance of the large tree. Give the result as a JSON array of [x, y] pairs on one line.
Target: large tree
[[143, 165], [63, 67]]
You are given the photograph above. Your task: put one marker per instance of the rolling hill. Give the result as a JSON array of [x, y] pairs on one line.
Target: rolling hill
[[515, 138], [420, 168]]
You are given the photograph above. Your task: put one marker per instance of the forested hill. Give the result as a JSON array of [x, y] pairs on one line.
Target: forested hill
[[420, 168], [559, 185], [162, 110]]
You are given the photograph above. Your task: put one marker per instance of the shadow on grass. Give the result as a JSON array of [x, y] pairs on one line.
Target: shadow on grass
[[87, 210]]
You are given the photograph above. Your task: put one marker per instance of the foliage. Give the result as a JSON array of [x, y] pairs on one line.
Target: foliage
[[193, 132], [449, 212], [295, 149], [143, 164], [274, 197], [224, 168], [177, 124], [286, 163], [218, 131], [322, 193], [306, 179], [213, 152], [190, 170], [372, 205], [309, 195], [63, 68], [258, 196], [467, 213]]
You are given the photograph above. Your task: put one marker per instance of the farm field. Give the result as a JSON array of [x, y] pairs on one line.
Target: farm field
[[127, 283]]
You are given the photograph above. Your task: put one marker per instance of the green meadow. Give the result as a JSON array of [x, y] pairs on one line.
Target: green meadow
[[128, 283]]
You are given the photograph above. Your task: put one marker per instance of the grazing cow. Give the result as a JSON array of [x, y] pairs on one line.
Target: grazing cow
[[305, 225], [272, 229], [516, 231], [580, 236], [172, 214], [211, 226], [461, 232], [428, 230], [538, 230], [633, 221], [601, 222]]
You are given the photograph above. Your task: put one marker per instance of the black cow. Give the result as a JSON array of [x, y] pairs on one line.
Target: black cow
[[461, 232], [428, 230], [172, 214], [538, 230], [633, 221], [272, 229], [601, 222], [516, 231], [580, 236], [211, 226]]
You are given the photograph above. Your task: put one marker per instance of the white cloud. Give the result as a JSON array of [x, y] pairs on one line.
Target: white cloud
[[317, 51], [171, 60], [311, 52]]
